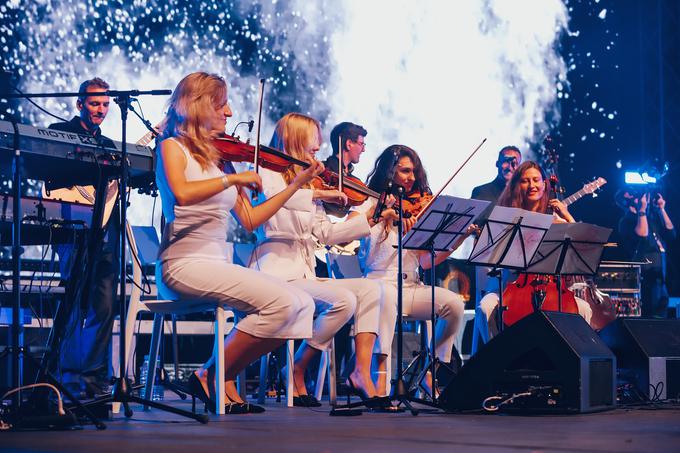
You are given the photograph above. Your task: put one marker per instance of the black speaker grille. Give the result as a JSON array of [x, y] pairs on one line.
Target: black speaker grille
[[657, 337], [601, 378], [673, 378]]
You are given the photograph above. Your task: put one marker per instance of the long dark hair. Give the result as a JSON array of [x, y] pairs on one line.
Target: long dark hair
[[378, 177], [513, 196]]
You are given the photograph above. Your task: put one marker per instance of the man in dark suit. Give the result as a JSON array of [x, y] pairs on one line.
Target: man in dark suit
[[509, 158], [86, 349]]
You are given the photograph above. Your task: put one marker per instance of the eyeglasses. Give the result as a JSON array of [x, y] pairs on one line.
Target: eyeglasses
[[362, 144]]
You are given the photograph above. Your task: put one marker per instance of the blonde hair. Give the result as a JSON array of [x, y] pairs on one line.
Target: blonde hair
[[293, 134], [189, 114]]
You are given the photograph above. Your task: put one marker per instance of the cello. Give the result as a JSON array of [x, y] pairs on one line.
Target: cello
[[534, 292]]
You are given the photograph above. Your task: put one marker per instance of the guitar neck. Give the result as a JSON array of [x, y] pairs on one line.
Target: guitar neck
[[149, 136], [574, 197]]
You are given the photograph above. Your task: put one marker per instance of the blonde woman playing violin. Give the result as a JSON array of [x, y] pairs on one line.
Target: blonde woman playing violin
[[285, 249], [193, 262]]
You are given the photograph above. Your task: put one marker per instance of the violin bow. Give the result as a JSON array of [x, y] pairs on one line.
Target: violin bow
[[341, 163], [259, 125], [451, 178]]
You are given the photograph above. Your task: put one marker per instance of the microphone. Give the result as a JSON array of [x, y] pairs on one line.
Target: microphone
[[381, 202], [250, 124]]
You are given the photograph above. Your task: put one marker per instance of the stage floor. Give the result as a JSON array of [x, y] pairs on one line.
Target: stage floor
[[282, 429]]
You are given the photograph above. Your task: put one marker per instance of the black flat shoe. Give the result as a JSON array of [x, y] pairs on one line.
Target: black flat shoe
[[253, 408], [236, 408], [377, 402], [385, 406], [306, 401]]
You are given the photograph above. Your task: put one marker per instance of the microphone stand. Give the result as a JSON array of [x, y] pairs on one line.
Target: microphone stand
[[121, 392], [400, 389]]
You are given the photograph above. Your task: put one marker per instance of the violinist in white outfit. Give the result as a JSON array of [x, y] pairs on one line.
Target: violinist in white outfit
[[193, 264], [379, 260], [285, 249]]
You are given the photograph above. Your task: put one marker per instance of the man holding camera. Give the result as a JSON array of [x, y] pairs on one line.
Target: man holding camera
[[645, 230]]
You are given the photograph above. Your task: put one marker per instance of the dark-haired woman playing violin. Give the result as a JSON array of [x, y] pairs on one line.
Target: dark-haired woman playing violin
[[285, 249], [379, 262], [194, 262]]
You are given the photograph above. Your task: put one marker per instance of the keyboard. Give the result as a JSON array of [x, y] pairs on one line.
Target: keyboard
[[64, 159]]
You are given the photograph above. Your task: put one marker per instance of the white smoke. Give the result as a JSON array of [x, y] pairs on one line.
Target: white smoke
[[437, 76], [440, 76]]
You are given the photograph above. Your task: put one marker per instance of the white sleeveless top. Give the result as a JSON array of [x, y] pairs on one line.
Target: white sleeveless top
[[198, 230]]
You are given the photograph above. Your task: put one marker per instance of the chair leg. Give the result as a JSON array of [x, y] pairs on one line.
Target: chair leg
[[130, 319], [264, 374], [156, 337], [321, 375], [480, 331], [332, 384], [220, 321], [290, 363], [175, 348]]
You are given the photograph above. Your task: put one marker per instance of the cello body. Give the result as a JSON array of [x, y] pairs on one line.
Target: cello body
[[533, 292]]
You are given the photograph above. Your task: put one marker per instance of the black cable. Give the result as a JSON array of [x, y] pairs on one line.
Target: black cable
[[39, 107], [141, 110], [153, 210]]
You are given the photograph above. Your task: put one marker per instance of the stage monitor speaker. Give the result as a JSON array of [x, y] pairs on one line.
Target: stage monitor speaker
[[557, 355], [647, 354]]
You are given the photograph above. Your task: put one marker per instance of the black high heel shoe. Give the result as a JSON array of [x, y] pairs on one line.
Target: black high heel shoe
[[197, 390], [369, 401]]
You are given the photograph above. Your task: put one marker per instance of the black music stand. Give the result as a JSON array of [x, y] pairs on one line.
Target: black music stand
[[509, 240], [439, 229], [569, 249]]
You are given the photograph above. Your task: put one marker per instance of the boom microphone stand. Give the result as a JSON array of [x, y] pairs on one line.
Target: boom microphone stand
[[121, 385]]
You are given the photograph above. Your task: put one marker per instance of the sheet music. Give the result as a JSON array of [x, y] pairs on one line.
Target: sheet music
[[445, 220], [582, 255], [497, 246]]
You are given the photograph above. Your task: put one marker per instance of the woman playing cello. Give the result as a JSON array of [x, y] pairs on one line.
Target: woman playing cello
[[529, 189]]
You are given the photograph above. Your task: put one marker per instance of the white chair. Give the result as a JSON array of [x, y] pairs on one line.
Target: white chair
[[145, 255]]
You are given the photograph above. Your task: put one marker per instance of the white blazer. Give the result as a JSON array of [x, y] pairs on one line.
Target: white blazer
[[285, 246]]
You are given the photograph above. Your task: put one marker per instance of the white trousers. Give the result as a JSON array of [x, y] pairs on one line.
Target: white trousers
[[489, 306], [270, 307], [417, 304], [336, 302]]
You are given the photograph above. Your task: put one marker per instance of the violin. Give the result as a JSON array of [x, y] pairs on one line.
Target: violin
[[234, 150], [533, 292], [357, 192], [413, 204]]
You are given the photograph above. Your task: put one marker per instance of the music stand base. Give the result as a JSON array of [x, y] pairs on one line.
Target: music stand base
[[121, 394]]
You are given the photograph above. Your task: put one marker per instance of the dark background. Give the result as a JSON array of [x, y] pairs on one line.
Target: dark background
[[638, 77]]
